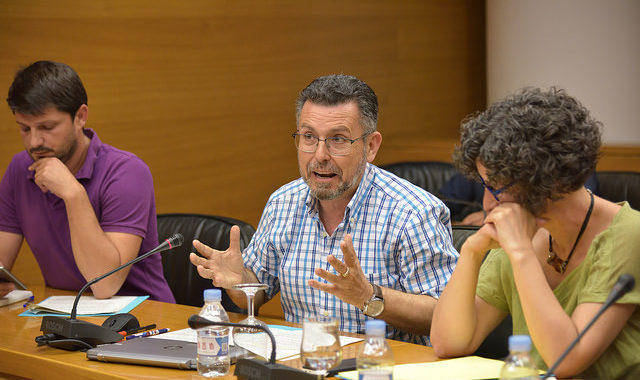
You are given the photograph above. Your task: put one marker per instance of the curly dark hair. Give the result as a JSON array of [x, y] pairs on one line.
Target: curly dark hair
[[545, 142], [335, 89]]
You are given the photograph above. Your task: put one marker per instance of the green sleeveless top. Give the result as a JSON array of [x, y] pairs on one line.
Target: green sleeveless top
[[613, 252]]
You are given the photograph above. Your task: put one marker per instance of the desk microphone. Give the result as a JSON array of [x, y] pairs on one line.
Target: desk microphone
[[624, 284], [72, 334], [256, 369]]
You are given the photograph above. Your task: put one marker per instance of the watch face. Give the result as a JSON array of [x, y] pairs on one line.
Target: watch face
[[374, 308]]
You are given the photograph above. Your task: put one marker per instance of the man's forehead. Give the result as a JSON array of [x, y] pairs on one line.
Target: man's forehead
[[339, 117]]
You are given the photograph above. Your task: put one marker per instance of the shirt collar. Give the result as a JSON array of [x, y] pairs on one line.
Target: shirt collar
[[356, 200]]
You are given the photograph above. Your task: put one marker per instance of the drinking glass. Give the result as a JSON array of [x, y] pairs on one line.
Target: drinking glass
[[320, 349], [254, 340]]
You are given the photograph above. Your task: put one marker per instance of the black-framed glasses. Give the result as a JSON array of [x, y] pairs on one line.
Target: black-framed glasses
[[495, 192], [337, 145]]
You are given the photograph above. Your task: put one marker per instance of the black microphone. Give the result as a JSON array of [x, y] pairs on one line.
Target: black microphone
[[256, 369], [72, 334], [624, 284]]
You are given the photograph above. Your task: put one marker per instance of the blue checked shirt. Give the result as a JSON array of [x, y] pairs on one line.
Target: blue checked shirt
[[401, 235]]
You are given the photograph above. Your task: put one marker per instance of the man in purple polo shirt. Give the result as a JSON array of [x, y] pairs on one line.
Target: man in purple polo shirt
[[83, 207]]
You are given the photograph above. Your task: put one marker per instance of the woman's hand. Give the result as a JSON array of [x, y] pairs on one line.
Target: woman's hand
[[513, 227]]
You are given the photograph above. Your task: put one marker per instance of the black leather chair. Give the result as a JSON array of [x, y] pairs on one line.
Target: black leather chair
[[618, 186], [183, 278], [431, 176]]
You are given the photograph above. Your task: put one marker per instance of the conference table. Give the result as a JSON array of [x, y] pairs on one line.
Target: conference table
[[20, 357]]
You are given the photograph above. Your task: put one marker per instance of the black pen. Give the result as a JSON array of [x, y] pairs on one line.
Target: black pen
[[143, 328]]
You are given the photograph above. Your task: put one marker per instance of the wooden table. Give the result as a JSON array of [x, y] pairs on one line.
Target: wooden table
[[20, 356]]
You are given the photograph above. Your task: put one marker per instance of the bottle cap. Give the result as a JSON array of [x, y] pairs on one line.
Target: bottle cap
[[519, 343], [375, 327], [212, 295]]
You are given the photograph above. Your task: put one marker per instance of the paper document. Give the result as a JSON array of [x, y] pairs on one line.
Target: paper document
[[467, 368], [87, 305], [288, 341], [15, 296]]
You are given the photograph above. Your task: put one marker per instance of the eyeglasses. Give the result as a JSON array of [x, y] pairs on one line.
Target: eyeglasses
[[337, 145], [493, 191]]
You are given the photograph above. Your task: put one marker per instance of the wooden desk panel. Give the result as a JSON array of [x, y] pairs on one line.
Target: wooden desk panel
[[20, 356]]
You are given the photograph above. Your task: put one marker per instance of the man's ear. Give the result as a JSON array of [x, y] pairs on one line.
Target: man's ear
[[373, 142], [82, 114]]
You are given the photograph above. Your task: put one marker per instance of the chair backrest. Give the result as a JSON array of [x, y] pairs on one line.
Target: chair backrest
[[432, 176], [429, 175], [461, 233], [183, 278], [617, 186]]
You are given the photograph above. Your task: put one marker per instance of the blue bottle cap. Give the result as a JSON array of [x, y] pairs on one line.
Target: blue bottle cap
[[375, 327], [519, 343], [212, 295]]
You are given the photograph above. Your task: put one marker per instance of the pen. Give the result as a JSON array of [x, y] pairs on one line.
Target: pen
[[29, 301], [147, 333], [139, 329]]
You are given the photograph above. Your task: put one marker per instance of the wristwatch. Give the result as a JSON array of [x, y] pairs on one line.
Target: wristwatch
[[375, 305]]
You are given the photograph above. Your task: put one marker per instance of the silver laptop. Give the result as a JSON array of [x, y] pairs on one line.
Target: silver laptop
[[154, 352]]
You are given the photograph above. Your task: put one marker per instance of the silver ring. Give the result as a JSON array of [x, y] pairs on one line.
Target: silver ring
[[345, 274]]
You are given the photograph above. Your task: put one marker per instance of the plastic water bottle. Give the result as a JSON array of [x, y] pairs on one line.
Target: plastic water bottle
[[213, 341], [519, 364], [374, 360]]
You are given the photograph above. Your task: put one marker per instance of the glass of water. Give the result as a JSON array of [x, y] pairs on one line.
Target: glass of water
[[320, 349], [254, 340]]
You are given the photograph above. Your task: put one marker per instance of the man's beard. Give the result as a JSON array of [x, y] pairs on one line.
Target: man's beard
[[324, 191], [63, 155]]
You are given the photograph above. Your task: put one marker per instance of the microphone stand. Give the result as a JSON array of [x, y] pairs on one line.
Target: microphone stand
[[72, 334], [625, 283], [256, 369]]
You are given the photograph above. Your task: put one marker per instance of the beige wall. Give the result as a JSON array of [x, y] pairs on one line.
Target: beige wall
[[589, 47]]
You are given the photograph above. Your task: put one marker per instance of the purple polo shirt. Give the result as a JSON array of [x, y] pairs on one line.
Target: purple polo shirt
[[120, 189]]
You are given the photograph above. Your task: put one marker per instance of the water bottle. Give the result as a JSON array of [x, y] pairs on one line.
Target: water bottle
[[213, 341], [374, 360], [519, 364]]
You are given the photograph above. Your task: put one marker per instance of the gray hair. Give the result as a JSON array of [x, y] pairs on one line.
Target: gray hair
[[338, 89], [545, 142]]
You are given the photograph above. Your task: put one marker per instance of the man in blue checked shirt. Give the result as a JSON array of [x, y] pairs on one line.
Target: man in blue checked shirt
[[346, 239]]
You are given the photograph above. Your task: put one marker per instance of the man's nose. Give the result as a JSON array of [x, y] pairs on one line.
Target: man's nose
[[322, 151], [36, 139]]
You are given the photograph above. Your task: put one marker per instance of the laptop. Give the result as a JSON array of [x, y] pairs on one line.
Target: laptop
[[155, 352]]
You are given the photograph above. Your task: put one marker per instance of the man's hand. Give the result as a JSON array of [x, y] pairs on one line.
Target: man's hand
[[224, 268], [350, 284], [6, 287], [54, 176]]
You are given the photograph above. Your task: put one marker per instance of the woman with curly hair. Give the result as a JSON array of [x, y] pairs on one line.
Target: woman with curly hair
[[556, 249]]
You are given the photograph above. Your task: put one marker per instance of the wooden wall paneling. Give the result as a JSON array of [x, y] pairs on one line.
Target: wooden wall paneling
[[204, 91]]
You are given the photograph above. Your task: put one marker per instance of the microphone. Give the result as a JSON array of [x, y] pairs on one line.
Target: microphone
[[257, 369], [625, 283], [72, 334]]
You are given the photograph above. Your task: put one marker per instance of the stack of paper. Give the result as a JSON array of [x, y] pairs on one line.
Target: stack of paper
[[288, 341], [87, 306], [15, 296], [467, 368]]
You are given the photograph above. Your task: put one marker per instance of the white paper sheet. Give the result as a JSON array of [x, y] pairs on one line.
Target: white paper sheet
[[288, 340]]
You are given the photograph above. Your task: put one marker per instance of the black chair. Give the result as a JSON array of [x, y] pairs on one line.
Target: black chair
[[618, 186], [183, 278], [432, 176], [429, 175]]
